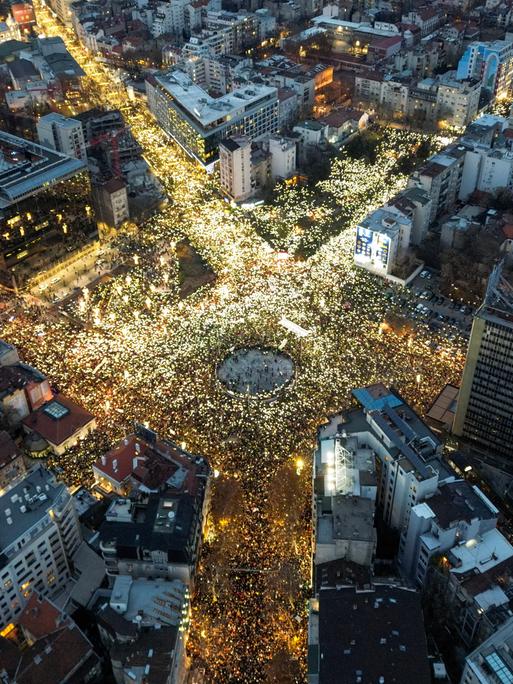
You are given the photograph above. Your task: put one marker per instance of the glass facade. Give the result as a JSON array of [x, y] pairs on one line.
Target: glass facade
[[489, 416], [256, 120]]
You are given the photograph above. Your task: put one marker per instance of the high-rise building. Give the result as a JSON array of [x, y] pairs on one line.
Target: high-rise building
[[484, 414], [39, 532], [63, 134], [235, 167]]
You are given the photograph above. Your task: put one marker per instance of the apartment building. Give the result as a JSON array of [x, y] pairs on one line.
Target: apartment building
[[492, 660], [344, 497], [283, 157], [381, 239], [457, 102], [235, 167], [492, 63], [441, 178], [39, 534], [458, 513], [405, 451]]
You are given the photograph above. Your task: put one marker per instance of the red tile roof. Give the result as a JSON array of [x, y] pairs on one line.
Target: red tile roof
[[338, 118], [152, 467], [53, 659], [118, 463], [40, 617], [58, 430]]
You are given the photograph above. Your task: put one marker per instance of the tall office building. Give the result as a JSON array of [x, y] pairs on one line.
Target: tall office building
[[484, 413], [39, 532]]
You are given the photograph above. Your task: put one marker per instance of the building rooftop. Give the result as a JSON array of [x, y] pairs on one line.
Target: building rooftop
[[26, 168], [58, 419], [40, 617], [492, 660], [235, 143], [498, 301], [372, 635], [151, 465], [149, 602], [480, 555], [205, 110], [342, 573], [17, 377], [26, 504], [386, 221], [23, 68], [63, 121], [150, 657], [460, 501], [443, 408], [165, 523], [56, 658]]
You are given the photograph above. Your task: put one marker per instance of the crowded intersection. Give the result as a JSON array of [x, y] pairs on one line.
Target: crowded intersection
[[131, 349]]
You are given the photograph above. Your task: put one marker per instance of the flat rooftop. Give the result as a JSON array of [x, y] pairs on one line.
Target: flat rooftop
[[205, 109], [460, 501], [385, 221], [26, 168], [153, 600], [26, 504], [480, 555], [372, 634]]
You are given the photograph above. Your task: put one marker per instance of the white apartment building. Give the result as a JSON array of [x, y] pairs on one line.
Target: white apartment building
[[63, 134], [283, 157], [39, 532], [62, 9], [169, 18], [414, 203], [444, 99], [492, 661], [456, 514], [457, 102], [344, 496], [235, 167], [381, 238], [407, 451], [208, 43], [199, 122]]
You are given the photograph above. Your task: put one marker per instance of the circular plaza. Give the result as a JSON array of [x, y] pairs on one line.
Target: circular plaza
[[256, 372]]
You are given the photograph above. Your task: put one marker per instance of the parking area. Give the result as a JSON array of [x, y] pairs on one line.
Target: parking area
[[428, 305]]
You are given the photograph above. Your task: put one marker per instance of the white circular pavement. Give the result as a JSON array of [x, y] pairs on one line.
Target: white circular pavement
[[256, 372]]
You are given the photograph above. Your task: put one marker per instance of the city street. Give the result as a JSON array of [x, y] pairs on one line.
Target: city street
[[146, 354]]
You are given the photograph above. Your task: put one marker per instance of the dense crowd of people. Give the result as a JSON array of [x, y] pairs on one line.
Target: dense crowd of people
[[132, 350]]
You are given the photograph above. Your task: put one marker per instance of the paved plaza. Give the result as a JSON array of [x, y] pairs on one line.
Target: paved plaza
[[256, 371]]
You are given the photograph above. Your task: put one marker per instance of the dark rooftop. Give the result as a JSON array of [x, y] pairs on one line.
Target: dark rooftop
[[459, 501], [150, 528], [371, 635]]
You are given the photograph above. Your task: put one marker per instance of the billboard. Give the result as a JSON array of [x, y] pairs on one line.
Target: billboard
[[371, 247]]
